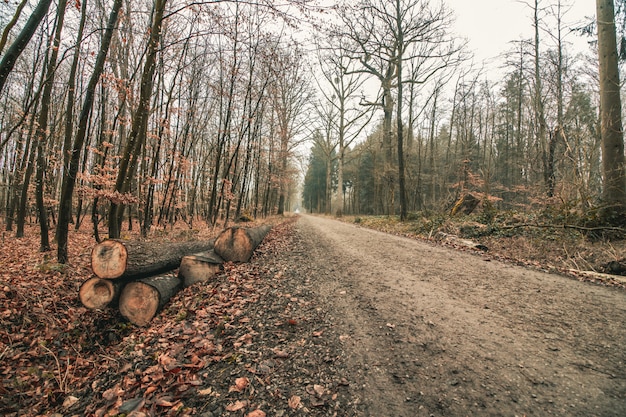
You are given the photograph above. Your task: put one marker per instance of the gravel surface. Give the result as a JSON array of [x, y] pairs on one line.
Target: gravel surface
[[416, 329], [331, 319]]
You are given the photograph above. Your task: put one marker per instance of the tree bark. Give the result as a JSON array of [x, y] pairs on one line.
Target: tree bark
[[114, 259], [141, 300], [97, 293], [614, 172], [9, 26], [17, 47], [237, 244], [199, 267], [42, 127]]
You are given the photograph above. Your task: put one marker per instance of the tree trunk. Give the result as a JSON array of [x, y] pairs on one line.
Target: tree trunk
[[42, 127], [237, 244], [614, 190], [97, 293], [114, 259], [401, 170], [199, 267], [137, 138], [9, 26], [17, 47], [141, 300], [69, 175]]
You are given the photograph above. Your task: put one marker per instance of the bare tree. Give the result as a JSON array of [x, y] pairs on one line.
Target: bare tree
[[386, 35], [341, 89], [69, 175], [137, 137], [290, 95]]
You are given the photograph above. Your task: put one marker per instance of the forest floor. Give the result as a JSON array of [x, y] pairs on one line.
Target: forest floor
[[313, 326]]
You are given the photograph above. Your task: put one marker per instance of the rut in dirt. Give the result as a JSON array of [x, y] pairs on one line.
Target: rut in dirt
[[431, 331]]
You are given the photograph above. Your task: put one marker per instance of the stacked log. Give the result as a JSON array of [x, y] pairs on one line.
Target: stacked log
[[97, 293], [142, 299], [237, 244], [199, 267], [134, 275], [114, 259]]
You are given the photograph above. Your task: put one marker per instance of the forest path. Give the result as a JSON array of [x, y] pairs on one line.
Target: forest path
[[431, 331]]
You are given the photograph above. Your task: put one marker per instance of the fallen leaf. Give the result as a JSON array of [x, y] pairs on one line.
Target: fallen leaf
[[294, 402], [112, 394], [280, 353], [162, 402], [256, 413], [319, 390], [236, 406], [318, 334], [69, 401], [207, 391], [240, 384]]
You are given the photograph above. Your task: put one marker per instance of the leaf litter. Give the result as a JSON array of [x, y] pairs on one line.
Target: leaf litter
[[253, 342]]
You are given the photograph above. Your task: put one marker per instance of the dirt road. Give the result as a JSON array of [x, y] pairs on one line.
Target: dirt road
[[430, 331]]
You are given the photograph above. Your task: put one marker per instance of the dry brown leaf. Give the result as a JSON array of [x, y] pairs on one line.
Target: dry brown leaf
[[280, 353], [240, 384], [294, 402], [236, 406], [162, 402], [256, 413], [319, 390], [112, 394], [69, 401], [207, 391]]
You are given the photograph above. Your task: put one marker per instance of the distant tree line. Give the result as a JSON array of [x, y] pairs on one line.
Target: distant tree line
[[548, 133]]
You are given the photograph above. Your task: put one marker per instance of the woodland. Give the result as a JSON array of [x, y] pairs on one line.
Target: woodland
[[164, 112], [163, 121]]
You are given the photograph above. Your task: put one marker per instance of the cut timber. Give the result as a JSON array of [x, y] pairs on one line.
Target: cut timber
[[113, 259], [465, 205], [141, 300], [237, 244], [97, 293], [199, 267], [455, 240]]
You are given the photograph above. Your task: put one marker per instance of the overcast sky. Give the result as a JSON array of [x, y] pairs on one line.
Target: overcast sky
[[490, 25]]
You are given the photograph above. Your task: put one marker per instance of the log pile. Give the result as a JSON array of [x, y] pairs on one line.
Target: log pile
[[137, 277]]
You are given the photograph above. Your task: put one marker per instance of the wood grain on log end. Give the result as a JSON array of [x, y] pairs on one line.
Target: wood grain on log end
[[96, 293], [141, 300], [234, 244], [199, 267], [139, 303], [109, 259]]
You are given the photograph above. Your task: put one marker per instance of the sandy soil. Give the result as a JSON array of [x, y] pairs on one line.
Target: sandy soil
[[428, 331]]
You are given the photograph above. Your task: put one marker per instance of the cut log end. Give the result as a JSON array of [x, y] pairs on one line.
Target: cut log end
[[96, 293], [234, 244], [141, 300], [108, 259], [237, 244], [200, 267], [139, 303]]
